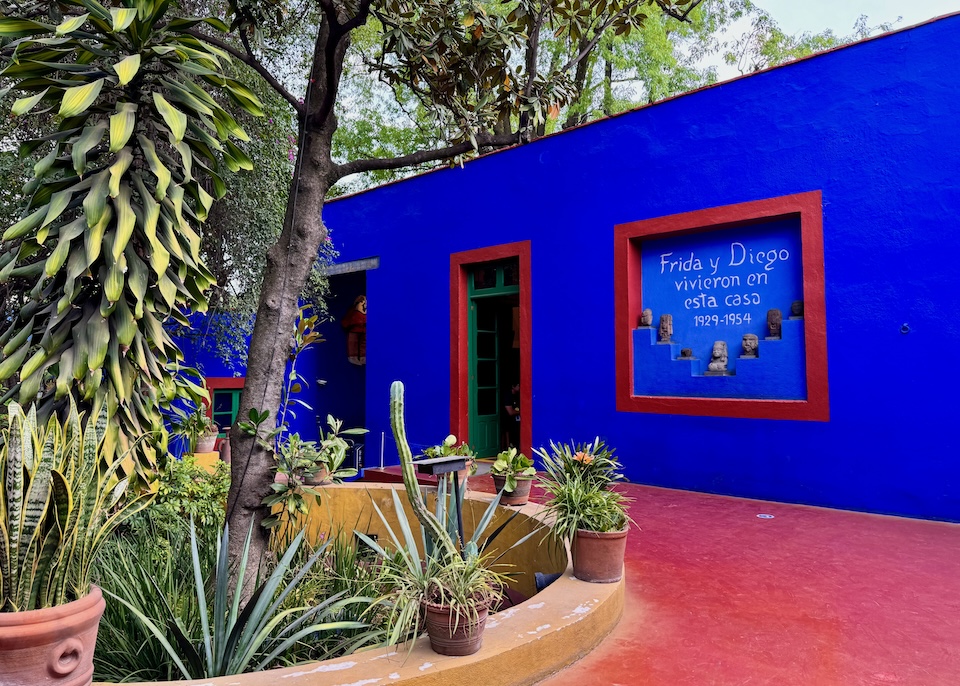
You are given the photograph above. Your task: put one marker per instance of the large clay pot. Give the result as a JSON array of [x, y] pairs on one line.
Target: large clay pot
[[519, 496], [450, 635], [207, 443], [53, 646], [598, 557]]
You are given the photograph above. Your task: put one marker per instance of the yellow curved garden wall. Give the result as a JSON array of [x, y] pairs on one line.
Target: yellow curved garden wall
[[345, 508]]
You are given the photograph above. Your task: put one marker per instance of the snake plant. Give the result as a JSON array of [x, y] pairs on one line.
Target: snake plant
[[59, 500]]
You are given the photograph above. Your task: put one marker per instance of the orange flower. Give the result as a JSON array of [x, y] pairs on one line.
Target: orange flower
[[584, 458]]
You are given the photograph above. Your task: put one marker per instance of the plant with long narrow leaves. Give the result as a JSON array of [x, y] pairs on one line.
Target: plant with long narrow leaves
[[61, 498], [234, 640], [578, 480], [109, 234], [149, 565], [450, 572]]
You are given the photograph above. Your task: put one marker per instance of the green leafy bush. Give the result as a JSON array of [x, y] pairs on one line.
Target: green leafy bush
[[188, 491]]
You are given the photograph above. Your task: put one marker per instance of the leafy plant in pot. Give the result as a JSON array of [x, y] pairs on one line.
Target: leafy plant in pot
[[449, 589], [449, 448], [585, 511], [197, 428], [513, 474], [303, 465], [61, 498]]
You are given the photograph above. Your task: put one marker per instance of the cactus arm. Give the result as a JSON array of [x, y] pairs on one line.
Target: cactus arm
[[431, 524]]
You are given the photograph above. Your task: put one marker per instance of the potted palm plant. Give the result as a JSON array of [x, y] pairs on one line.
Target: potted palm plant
[[513, 474], [449, 589], [62, 497], [586, 512]]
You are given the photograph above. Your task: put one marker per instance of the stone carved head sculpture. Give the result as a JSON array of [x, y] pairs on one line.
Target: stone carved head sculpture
[[666, 327], [718, 358], [796, 308], [686, 353], [774, 323], [646, 317], [750, 344]]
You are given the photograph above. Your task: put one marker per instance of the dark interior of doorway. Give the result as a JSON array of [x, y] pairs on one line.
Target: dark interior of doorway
[[343, 393], [498, 373]]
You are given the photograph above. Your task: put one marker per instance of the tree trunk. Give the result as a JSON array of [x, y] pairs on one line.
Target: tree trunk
[[607, 88], [285, 276], [289, 263], [576, 117]]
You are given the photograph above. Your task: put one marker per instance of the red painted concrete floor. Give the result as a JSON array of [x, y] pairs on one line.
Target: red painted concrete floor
[[718, 596], [813, 597]]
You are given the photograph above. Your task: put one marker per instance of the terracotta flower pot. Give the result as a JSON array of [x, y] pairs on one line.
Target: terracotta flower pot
[[321, 477], [53, 646], [520, 494], [450, 635], [598, 557], [207, 443]]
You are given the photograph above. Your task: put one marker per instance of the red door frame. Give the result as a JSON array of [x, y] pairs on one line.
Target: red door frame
[[460, 264]]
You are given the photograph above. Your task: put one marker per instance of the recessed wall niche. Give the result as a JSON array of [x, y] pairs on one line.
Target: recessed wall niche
[[721, 311]]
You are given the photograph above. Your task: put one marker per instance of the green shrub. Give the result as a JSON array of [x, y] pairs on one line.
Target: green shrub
[[188, 491]]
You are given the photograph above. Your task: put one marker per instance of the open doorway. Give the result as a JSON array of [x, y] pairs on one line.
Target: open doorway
[[490, 348], [341, 360], [494, 363]]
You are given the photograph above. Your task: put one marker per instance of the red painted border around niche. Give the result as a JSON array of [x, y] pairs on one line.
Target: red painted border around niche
[[459, 326], [627, 289]]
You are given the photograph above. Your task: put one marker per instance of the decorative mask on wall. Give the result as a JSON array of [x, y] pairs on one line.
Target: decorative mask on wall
[[354, 323]]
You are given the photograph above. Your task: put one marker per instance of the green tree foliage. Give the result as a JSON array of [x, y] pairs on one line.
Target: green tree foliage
[[767, 45], [109, 239]]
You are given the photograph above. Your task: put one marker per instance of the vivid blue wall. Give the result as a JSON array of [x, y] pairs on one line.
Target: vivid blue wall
[[874, 127]]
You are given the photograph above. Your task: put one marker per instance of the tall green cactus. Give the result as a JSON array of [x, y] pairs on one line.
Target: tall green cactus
[[435, 530]]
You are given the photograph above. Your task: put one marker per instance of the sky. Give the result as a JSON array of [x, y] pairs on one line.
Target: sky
[[840, 15], [814, 16]]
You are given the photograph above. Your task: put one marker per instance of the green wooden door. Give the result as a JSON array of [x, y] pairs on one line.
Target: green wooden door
[[487, 286]]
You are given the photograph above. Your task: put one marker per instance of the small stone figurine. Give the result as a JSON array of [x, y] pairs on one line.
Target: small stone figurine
[[646, 319], [718, 359], [775, 324], [751, 342], [686, 354], [796, 309], [666, 328]]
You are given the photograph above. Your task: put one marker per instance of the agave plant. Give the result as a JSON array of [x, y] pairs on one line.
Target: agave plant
[[109, 235], [234, 640], [458, 574], [60, 500]]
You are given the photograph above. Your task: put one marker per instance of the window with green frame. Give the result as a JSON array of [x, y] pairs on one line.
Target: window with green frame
[[226, 405]]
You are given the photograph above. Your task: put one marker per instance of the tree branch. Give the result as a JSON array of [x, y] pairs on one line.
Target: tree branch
[[360, 18], [247, 57], [679, 16], [598, 34], [380, 164]]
